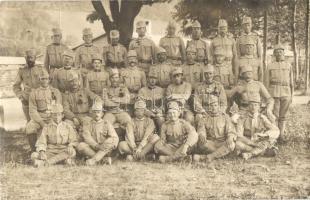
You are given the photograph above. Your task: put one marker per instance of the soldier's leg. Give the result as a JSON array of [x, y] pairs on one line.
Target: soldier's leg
[[198, 117], [222, 150], [276, 108], [85, 150], [285, 103], [26, 111], [124, 119], [158, 122], [208, 147], [162, 148], [33, 129], [124, 148], [149, 147], [53, 159], [105, 148], [262, 146], [242, 147], [189, 116]]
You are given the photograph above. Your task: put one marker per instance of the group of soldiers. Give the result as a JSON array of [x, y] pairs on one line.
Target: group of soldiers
[[200, 101]]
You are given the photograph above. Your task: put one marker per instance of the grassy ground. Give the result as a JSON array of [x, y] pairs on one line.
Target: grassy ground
[[284, 176]]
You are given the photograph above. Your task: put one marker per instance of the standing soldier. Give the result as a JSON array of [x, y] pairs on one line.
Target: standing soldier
[[115, 54], [226, 42], [202, 54], [98, 78], [248, 35], [216, 133], [174, 45], [280, 83], [54, 51], [144, 137], [145, 47], [57, 142], [99, 136], [60, 76], [193, 72], [163, 68], [40, 101], [177, 136], [153, 95], [27, 78], [83, 55]]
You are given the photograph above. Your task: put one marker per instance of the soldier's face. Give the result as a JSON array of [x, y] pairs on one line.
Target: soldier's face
[[57, 117], [139, 113], [141, 31], [152, 81], [247, 27], [114, 80], [97, 64], [279, 54], [132, 61], [173, 115], [56, 39], [248, 76], [162, 57], [254, 107], [68, 61], [249, 49], [178, 79], [222, 30], [97, 115], [214, 108], [88, 38], [219, 59], [74, 83], [30, 60], [190, 56], [196, 33], [44, 81], [171, 30], [209, 76], [114, 41]]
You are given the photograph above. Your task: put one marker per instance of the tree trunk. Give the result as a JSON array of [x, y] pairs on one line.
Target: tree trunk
[[307, 47], [278, 20], [265, 40], [294, 47]]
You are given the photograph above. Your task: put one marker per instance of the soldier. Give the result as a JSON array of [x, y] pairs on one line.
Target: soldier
[[248, 58], [203, 93], [115, 54], [144, 137], [116, 98], [280, 83], [255, 132], [216, 133], [54, 51], [153, 95], [248, 35], [77, 101], [40, 101], [177, 136], [26, 79], [249, 88], [180, 91], [60, 76], [57, 142], [202, 54], [174, 45], [226, 42], [100, 138], [134, 78], [223, 70], [163, 68], [98, 78], [193, 73], [83, 55], [145, 47]]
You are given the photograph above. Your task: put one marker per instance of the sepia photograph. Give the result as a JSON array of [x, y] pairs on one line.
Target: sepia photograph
[[154, 99]]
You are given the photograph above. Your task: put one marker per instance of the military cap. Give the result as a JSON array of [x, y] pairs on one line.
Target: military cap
[[278, 46], [56, 31], [31, 52], [222, 22], [96, 57], [114, 34], [97, 106], [171, 24], [196, 24], [153, 74], [87, 31], [177, 70], [140, 24], [246, 20], [131, 53], [208, 68], [161, 50], [73, 76], [140, 104], [212, 99], [68, 53], [219, 51], [254, 99], [56, 108], [173, 105], [43, 74], [246, 68], [114, 72], [191, 48]]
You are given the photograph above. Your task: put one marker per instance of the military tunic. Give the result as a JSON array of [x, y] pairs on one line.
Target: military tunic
[[60, 78], [193, 74], [175, 49], [256, 64], [240, 43], [223, 74], [163, 71], [115, 56], [202, 53], [53, 56], [96, 81]]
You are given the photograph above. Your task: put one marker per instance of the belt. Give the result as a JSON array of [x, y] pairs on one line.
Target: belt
[[145, 61], [174, 58]]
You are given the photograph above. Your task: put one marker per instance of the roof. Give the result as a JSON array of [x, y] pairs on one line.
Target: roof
[[94, 39], [7, 60]]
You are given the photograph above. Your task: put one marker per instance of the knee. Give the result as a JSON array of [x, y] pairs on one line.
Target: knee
[[34, 155], [158, 146], [239, 145], [123, 147], [82, 146], [153, 139]]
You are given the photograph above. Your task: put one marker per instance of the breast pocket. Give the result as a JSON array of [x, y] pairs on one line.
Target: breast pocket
[[41, 103]]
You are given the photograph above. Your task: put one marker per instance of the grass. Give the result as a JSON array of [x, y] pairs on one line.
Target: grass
[[284, 176]]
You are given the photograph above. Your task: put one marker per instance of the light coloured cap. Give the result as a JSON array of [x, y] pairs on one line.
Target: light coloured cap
[[131, 53], [171, 24], [114, 34], [246, 68], [114, 72], [43, 74], [31, 52], [234, 108], [140, 24], [208, 68], [173, 105], [254, 99], [278, 46], [96, 57], [161, 50], [73, 76], [246, 20], [213, 99], [97, 106], [68, 53], [222, 22], [219, 51], [196, 24], [177, 70], [56, 108], [140, 104], [56, 31], [87, 31], [153, 74], [191, 48]]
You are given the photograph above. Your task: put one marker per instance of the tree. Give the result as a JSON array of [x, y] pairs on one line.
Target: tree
[[293, 30], [307, 43]]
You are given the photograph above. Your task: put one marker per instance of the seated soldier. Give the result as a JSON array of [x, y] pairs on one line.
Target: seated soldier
[[144, 137], [177, 136], [57, 142], [99, 136], [255, 132], [216, 133]]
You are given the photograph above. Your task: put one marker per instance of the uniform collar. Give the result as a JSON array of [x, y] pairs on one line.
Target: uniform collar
[[88, 45], [140, 119]]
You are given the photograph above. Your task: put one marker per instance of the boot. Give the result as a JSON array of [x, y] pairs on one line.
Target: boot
[[281, 139], [32, 139]]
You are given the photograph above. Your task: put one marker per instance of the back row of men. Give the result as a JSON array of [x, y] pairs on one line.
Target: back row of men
[[158, 81]]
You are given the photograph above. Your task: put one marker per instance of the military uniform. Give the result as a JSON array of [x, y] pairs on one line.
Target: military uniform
[[53, 55], [57, 141], [134, 78], [163, 71], [193, 73]]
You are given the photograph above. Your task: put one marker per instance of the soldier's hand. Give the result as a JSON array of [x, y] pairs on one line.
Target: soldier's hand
[[202, 139], [231, 143], [76, 122], [271, 116], [137, 154], [71, 151], [184, 149], [42, 155]]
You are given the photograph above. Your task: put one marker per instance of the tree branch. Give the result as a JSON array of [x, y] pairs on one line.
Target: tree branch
[[107, 24], [114, 7]]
